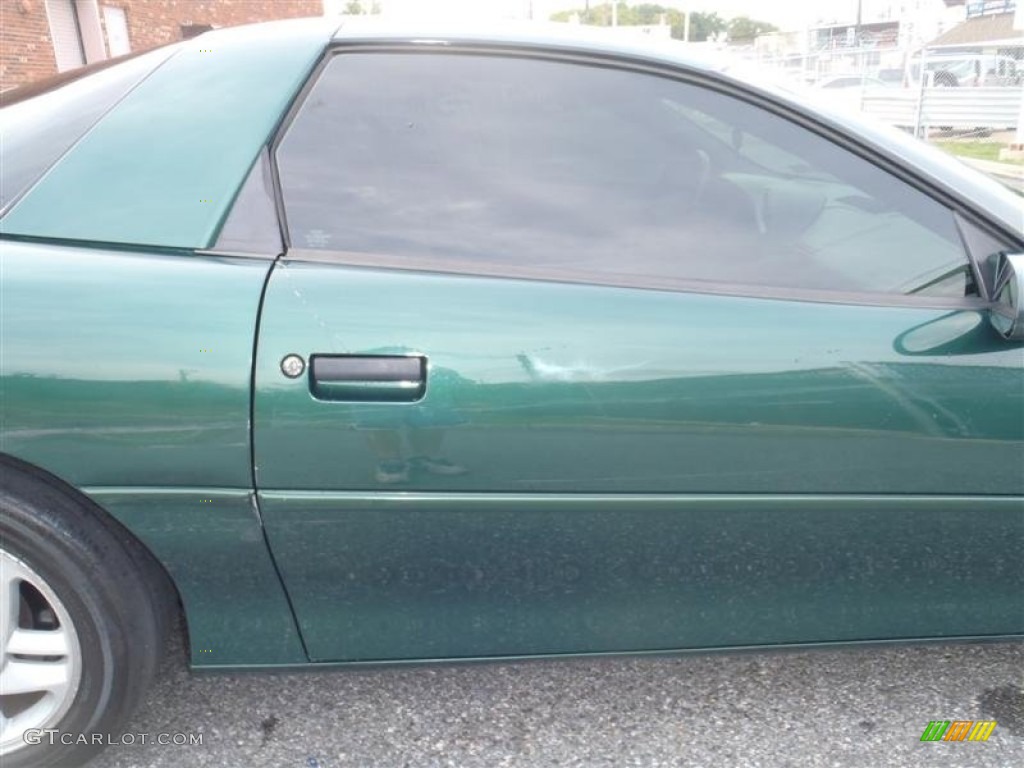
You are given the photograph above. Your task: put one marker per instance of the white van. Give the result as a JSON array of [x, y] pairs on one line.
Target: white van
[[970, 70]]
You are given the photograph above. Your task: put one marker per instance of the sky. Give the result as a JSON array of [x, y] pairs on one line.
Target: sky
[[788, 13]]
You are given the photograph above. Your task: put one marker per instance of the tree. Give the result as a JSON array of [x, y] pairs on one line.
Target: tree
[[645, 13], [354, 8], [703, 26], [601, 15], [743, 29]]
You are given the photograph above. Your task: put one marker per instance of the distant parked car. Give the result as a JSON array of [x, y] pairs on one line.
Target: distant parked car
[[893, 76], [372, 345], [852, 81], [970, 70]]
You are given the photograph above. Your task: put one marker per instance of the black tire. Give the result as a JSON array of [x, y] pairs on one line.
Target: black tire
[[118, 599]]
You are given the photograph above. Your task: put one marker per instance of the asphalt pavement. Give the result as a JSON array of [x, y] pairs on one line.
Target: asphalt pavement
[[856, 706]]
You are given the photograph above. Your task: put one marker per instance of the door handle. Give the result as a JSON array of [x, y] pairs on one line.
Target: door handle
[[368, 378]]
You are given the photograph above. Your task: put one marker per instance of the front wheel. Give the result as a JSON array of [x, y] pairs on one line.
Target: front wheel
[[83, 617]]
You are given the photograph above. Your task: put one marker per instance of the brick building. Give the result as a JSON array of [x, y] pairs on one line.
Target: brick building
[[41, 37]]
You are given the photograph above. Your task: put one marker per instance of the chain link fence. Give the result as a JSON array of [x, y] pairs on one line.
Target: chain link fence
[[934, 92]]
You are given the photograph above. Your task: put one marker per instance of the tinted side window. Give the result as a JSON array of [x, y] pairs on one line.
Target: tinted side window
[[462, 161]]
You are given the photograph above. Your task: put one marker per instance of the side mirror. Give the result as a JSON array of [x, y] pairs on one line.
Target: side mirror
[[1007, 312]]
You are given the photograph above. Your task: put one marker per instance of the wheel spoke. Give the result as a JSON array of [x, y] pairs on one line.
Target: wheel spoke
[[9, 602], [33, 677], [38, 642]]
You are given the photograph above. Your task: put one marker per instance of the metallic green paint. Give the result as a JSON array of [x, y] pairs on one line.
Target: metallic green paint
[[128, 369], [400, 575], [645, 470], [164, 165], [211, 543], [641, 408], [548, 387], [128, 374]]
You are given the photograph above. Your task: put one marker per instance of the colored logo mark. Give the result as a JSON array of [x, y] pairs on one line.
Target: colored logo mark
[[958, 730]]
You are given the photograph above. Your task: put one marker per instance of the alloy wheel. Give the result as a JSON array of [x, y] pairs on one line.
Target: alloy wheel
[[40, 657]]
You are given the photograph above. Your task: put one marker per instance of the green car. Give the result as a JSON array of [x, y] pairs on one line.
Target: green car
[[383, 345]]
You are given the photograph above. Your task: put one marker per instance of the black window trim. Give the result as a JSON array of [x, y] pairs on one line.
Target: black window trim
[[701, 78], [432, 265]]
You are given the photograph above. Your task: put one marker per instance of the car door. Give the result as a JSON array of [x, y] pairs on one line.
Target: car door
[[575, 356]]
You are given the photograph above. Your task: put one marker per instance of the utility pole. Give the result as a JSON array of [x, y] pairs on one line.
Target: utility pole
[[856, 29], [1016, 150], [856, 43], [615, 13]]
